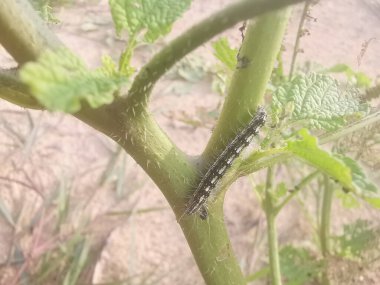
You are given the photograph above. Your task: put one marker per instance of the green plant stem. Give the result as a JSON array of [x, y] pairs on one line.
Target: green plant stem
[[24, 39], [263, 159], [271, 214], [326, 216], [143, 139], [126, 56], [12, 90], [172, 172], [298, 37], [249, 82], [193, 38], [328, 193], [305, 181]]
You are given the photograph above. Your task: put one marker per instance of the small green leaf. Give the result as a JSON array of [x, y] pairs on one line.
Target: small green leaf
[[360, 78], [307, 149], [60, 81], [153, 17], [367, 189], [298, 266], [226, 54], [319, 101], [281, 190], [108, 66], [348, 200]]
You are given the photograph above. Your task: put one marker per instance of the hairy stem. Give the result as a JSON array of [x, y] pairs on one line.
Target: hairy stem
[[173, 173]]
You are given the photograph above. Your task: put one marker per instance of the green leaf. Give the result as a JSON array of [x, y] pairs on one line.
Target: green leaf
[[152, 17], [360, 78], [226, 54], [348, 200], [319, 102], [356, 239], [108, 66], [298, 266], [60, 81], [307, 149], [367, 189]]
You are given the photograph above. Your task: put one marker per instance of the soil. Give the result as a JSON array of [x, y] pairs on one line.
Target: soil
[[46, 151]]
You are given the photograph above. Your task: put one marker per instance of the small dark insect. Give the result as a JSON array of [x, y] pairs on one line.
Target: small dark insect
[[222, 163]]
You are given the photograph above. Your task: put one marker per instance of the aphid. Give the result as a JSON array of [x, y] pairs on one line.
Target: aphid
[[222, 163]]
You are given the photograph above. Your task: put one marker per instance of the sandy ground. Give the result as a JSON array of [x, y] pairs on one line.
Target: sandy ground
[[57, 148]]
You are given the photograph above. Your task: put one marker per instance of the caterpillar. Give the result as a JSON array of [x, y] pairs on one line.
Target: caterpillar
[[222, 163]]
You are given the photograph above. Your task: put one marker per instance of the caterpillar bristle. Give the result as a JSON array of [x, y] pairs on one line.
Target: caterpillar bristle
[[222, 163]]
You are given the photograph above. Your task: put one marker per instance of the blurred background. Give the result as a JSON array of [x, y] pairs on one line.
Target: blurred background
[[69, 194]]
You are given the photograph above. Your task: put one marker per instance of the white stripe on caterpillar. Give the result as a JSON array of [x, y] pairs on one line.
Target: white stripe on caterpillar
[[222, 163]]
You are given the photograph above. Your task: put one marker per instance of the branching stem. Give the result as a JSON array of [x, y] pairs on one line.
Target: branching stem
[[298, 37], [193, 38]]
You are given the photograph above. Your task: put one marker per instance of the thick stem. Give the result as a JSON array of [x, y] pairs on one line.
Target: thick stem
[[141, 137], [256, 60], [23, 34], [173, 173], [12, 90], [271, 213]]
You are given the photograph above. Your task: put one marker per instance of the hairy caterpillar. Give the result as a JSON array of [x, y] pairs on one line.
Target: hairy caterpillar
[[222, 163]]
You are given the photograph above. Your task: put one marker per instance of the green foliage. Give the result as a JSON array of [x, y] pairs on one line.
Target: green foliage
[[80, 257], [308, 150], [360, 79], [367, 189], [60, 81], [225, 53], [348, 200], [65, 263], [154, 18], [356, 239], [317, 101], [298, 266]]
